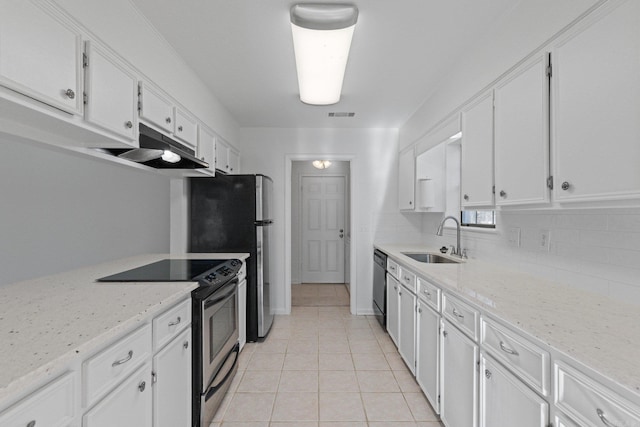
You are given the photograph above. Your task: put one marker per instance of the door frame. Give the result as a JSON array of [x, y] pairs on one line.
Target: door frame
[[353, 218], [301, 207]]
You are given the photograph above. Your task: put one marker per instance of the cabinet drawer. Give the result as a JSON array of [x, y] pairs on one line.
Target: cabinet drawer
[[525, 359], [104, 370], [53, 405], [171, 323], [407, 278], [392, 268], [429, 293], [461, 315], [589, 402]]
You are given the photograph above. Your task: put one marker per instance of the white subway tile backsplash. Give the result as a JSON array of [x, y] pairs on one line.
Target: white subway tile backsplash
[[628, 223]]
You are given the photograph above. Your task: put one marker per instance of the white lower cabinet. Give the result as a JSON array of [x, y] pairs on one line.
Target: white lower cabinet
[[407, 335], [53, 405], [459, 400], [428, 353], [129, 405], [393, 307], [505, 401], [172, 383]]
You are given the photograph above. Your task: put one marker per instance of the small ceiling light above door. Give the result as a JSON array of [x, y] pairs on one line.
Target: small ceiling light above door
[[321, 164], [322, 36]]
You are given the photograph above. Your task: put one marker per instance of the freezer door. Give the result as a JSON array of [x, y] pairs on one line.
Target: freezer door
[[264, 194], [265, 313]]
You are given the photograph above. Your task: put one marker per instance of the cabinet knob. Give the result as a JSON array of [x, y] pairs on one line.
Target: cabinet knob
[[186, 344], [179, 128], [466, 197], [168, 119], [503, 194], [487, 373], [129, 124], [445, 333], [31, 423], [419, 310], [410, 202], [70, 94], [142, 386], [565, 186]]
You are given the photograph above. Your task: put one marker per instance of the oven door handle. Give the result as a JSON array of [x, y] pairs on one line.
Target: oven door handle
[[211, 389], [211, 302]]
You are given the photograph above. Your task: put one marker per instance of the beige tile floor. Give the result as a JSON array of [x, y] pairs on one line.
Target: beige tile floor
[[319, 295], [322, 367]]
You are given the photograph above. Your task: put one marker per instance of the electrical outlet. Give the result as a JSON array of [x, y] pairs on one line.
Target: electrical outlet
[[514, 237], [544, 239]]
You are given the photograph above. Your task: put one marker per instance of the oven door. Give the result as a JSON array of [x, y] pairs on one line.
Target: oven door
[[219, 330]]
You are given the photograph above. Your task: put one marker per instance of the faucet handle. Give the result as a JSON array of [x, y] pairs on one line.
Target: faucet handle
[[451, 250]]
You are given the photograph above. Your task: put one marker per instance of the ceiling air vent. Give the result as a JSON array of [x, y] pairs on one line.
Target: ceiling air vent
[[342, 114]]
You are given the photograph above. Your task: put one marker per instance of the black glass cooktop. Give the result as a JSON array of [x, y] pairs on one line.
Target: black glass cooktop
[[166, 270]]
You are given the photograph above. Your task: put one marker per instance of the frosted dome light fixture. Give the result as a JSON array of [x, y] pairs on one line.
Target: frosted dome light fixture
[[322, 36], [321, 164]]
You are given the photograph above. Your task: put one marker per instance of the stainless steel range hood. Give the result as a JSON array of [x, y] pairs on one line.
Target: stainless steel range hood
[[160, 152]]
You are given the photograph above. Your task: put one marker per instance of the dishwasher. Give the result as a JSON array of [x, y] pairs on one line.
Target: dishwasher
[[380, 286]]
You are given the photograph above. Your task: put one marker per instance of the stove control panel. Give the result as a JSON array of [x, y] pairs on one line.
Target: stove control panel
[[220, 274]]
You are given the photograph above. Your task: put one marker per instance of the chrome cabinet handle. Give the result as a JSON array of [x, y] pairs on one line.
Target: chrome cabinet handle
[[487, 373], [507, 349], [31, 423], [458, 315], [142, 386], [186, 344], [503, 194], [168, 119], [179, 128], [121, 361], [565, 186], [129, 124], [174, 323], [604, 419], [70, 94]]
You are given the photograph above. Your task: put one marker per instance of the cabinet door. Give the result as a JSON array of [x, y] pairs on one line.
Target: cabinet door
[[506, 401], [522, 135], [428, 353], [222, 156], [186, 128], [40, 55], [156, 108], [172, 387], [406, 180], [459, 397], [393, 307], [111, 90], [129, 405], [242, 313], [477, 153], [207, 149], [234, 161], [596, 93], [407, 347]]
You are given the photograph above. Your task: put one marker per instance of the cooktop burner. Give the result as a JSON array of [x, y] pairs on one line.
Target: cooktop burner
[[166, 270]]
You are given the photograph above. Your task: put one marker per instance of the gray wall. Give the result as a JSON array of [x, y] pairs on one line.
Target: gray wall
[[61, 210]]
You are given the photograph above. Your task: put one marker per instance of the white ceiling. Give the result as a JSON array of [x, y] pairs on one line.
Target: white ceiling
[[401, 49]]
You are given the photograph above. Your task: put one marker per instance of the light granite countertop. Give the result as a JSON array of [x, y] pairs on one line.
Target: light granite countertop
[[597, 331], [49, 323]]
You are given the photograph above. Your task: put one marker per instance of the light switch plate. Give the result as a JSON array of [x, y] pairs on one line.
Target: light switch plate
[[514, 237]]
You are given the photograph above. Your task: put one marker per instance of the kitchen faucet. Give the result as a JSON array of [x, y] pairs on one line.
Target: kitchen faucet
[[458, 249]]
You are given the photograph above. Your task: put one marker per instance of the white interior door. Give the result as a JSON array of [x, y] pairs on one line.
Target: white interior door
[[323, 200]]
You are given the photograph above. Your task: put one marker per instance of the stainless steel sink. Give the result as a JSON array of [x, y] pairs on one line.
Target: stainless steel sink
[[430, 258]]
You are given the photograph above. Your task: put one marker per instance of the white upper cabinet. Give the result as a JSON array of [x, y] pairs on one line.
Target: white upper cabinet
[[406, 180], [234, 161], [522, 135], [155, 108], [596, 107], [111, 90], [431, 180], [41, 54], [207, 149], [186, 128], [227, 158], [477, 153]]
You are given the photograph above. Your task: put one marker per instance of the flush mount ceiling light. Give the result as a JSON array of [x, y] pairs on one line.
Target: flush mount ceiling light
[[321, 40], [321, 164]]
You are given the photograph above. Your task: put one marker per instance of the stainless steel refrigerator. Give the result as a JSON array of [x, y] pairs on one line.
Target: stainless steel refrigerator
[[232, 213]]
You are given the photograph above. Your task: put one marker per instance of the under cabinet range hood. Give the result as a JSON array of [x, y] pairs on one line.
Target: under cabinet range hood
[[160, 152]]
